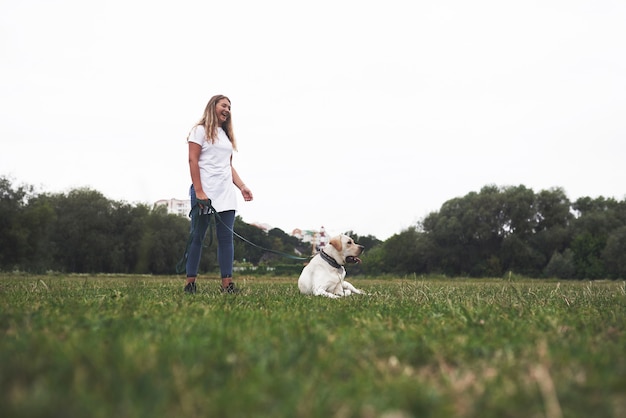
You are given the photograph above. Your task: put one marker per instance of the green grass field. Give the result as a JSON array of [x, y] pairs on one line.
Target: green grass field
[[136, 346]]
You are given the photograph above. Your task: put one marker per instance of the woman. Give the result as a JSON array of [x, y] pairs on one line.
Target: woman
[[211, 144]]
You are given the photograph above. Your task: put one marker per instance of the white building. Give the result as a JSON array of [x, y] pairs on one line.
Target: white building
[[175, 206]]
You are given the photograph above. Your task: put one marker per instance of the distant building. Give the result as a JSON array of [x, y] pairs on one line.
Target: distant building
[[175, 206], [317, 239]]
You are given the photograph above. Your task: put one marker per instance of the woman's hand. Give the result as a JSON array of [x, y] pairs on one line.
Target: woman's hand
[[200, 196], [246, 193]]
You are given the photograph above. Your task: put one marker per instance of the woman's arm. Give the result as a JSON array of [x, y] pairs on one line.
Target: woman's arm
[[194, 169], [245, 192]]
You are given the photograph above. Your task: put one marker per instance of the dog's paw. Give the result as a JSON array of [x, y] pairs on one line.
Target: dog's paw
[[327, 295]]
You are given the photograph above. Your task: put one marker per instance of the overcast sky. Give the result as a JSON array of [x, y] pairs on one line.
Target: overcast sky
[[355, 115]]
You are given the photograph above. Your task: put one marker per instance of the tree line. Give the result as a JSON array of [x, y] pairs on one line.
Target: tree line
[[497, 231], [84, 232], [503, 230]]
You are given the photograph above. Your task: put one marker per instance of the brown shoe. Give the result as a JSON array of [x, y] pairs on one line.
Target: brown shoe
[[230, 288], [191, 288]]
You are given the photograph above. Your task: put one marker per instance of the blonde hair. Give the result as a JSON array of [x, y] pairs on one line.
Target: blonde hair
[[209, 122]]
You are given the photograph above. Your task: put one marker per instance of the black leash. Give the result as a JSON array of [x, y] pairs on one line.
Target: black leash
[[181, 266], [209, 210]]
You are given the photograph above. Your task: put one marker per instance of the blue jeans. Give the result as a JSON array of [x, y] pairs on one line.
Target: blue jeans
[[224, 232]]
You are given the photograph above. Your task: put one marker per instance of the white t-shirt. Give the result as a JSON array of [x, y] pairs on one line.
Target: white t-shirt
[[215, 170]]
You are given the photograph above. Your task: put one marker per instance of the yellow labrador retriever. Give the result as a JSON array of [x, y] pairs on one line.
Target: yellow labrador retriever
[[324, 275]]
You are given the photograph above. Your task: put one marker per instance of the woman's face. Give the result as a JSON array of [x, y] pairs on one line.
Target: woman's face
[[222, 111]]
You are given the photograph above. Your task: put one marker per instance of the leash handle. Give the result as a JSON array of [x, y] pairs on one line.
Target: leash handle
[[204, 207]]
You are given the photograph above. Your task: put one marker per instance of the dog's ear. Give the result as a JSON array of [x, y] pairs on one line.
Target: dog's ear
[[336, 243]]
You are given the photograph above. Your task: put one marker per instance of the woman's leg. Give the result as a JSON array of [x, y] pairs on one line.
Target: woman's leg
[[225, 245], [199, 226]]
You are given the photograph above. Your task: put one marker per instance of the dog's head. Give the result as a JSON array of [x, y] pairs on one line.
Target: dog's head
[[344, 250]]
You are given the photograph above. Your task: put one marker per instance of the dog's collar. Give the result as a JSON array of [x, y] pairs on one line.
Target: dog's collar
[[330, 260]]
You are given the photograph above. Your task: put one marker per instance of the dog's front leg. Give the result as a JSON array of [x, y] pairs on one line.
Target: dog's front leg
[[348, 288], [320, 291]]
